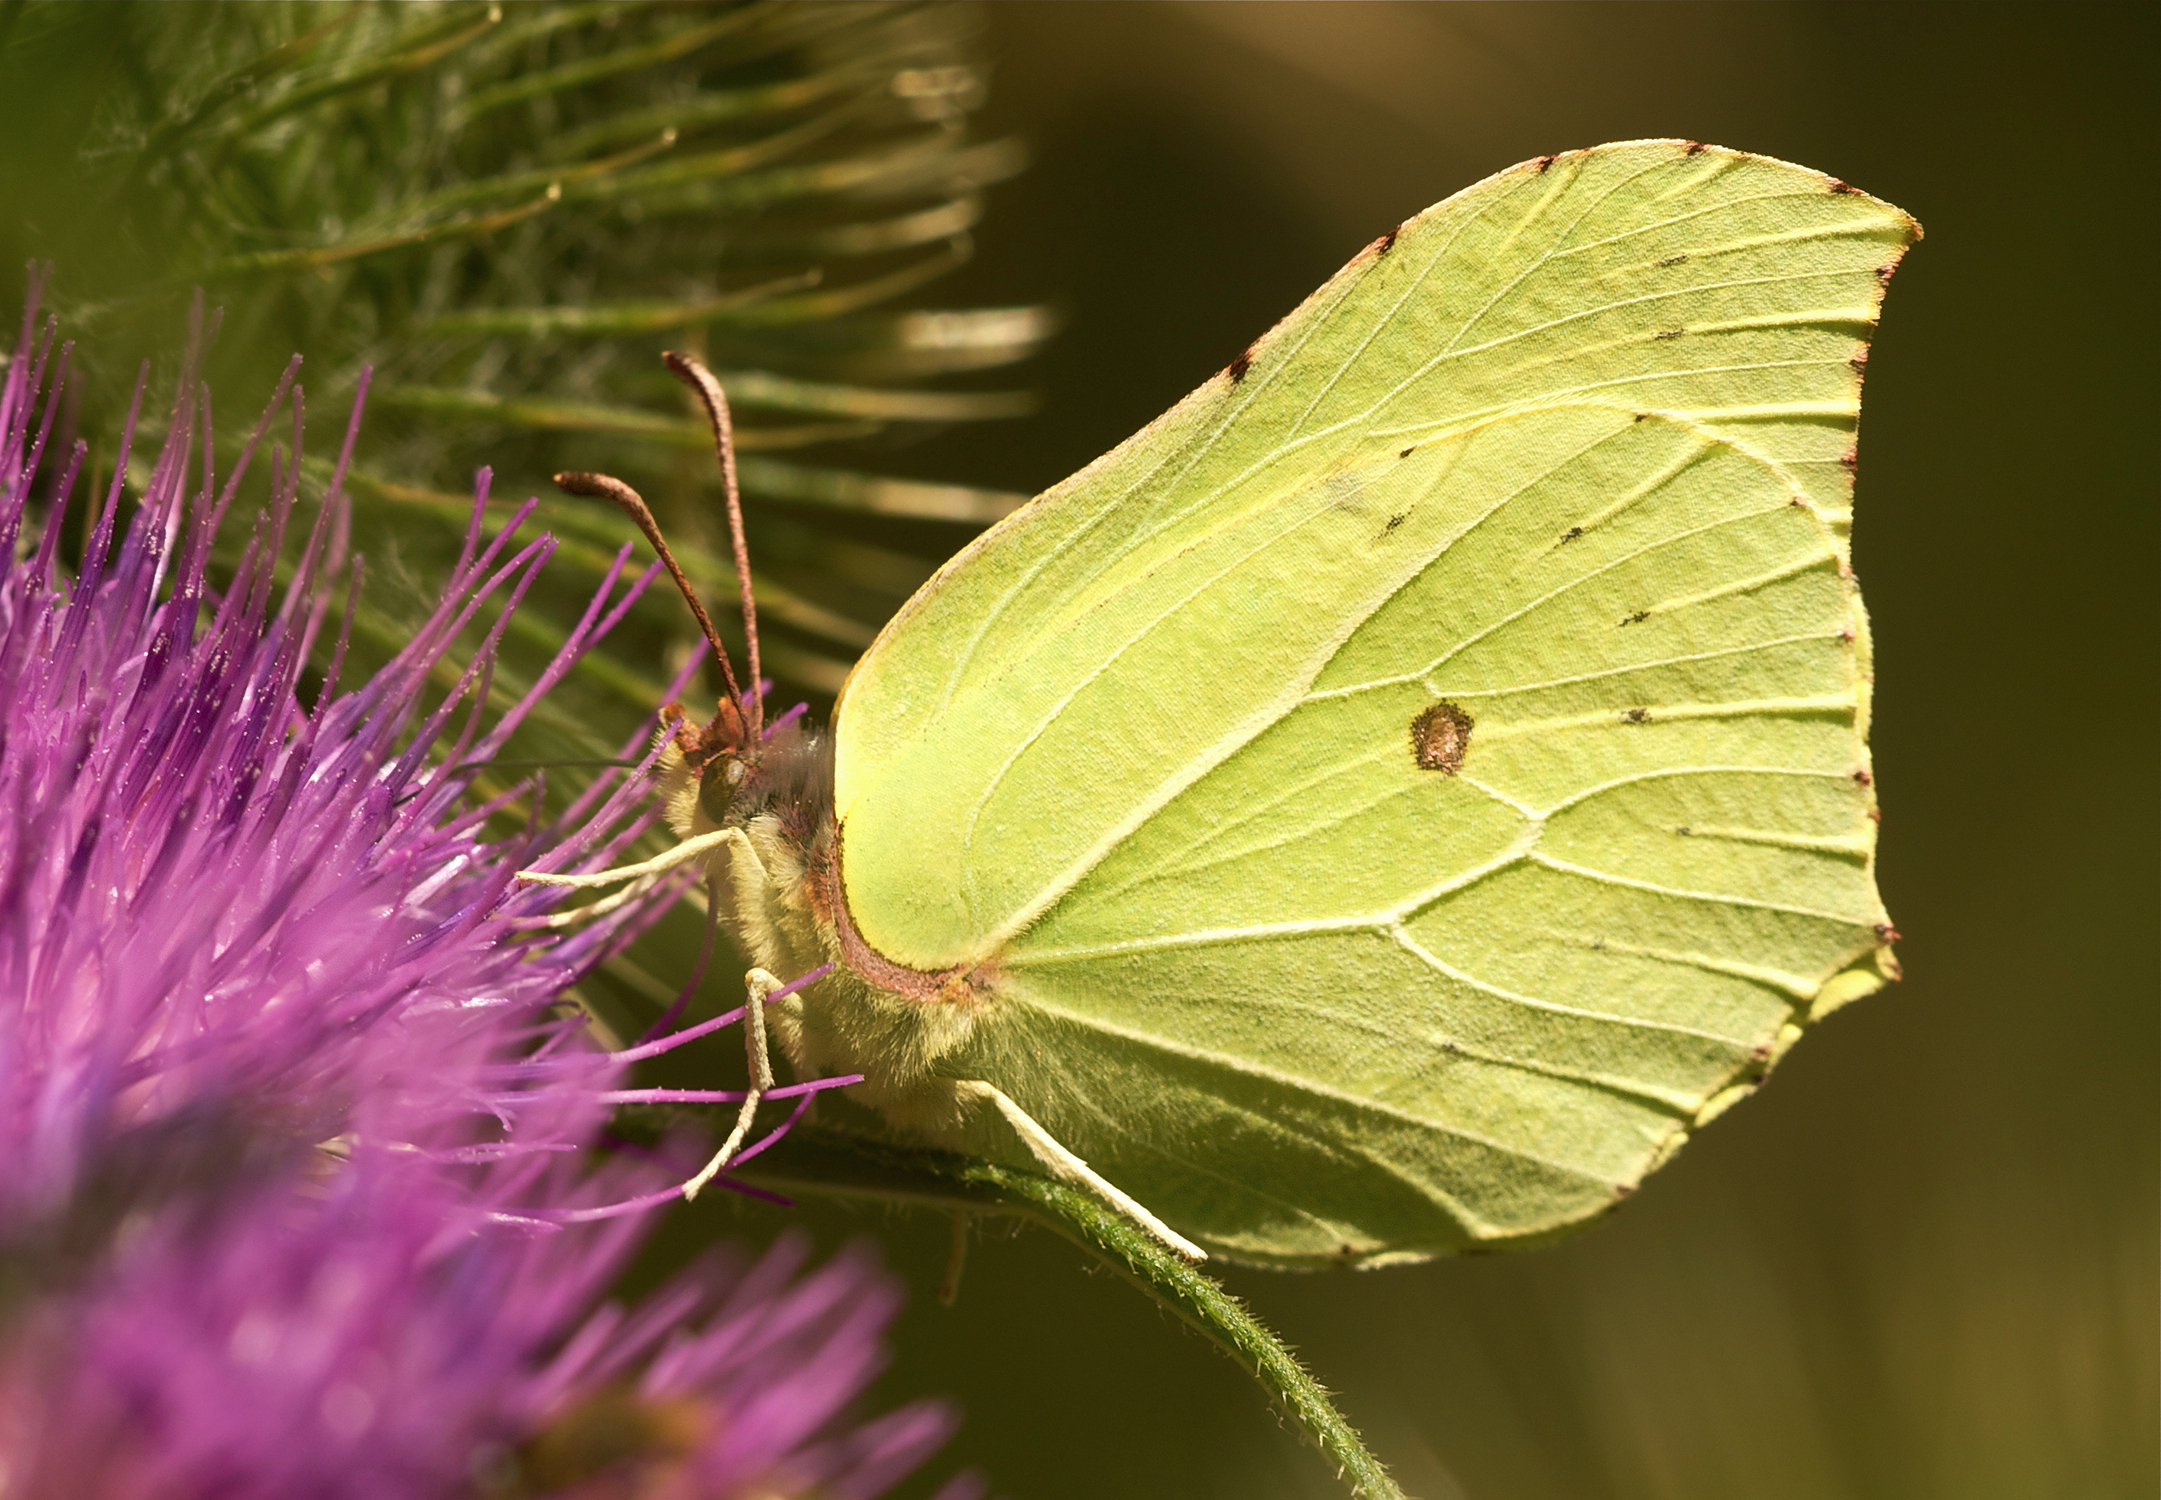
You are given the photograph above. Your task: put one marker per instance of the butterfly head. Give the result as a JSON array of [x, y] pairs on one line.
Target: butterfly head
[[715, 775], [719, 755]]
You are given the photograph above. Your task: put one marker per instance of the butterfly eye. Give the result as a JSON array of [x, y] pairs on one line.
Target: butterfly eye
[[723, 778]]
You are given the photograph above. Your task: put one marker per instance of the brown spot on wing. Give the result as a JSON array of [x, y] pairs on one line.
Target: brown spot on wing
[[1439, 737], [1238, 367]]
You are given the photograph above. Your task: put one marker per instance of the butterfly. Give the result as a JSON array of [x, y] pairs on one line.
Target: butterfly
[[1385, 806]]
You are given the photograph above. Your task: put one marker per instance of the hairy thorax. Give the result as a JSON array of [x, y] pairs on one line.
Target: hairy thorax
[[781, 912]]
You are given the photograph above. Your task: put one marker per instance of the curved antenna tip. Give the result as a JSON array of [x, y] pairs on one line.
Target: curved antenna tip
[[687, 368], [627, 500]]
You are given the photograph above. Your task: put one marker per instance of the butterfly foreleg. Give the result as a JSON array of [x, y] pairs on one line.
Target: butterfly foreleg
[[760, 984], [659, 864], [576, 914], [738, 887], [1068, 1168]]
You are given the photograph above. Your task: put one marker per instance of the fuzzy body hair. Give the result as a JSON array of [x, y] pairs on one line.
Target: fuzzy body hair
[[778, 909]]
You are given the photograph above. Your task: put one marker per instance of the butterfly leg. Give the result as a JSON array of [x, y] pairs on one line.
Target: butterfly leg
[[760, 984], [660, 864], [1068, 1168], [576, 914]]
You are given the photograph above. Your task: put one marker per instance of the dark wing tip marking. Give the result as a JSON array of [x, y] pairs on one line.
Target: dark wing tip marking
[[1439, 737]]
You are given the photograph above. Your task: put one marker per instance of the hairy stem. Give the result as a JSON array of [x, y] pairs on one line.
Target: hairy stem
[[834, 1165]]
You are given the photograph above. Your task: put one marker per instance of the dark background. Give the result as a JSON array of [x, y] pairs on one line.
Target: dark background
[[1921, 1263]]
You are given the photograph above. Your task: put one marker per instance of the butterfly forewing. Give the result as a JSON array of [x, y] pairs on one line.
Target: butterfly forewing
[[1402, 788]]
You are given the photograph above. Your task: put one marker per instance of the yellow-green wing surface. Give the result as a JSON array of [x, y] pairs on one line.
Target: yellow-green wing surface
[[1412, 783]]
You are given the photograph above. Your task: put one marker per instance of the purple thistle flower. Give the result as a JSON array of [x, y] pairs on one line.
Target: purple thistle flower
[[291, 1106], [340, 1344]]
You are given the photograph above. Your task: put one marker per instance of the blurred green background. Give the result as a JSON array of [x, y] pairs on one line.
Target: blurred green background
[[1923, 1262]]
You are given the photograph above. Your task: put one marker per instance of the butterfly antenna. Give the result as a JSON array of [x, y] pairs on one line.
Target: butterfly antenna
[[631, 504], [687, 369]]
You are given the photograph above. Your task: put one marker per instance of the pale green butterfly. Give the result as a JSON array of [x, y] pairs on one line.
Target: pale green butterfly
[[1383, 807]]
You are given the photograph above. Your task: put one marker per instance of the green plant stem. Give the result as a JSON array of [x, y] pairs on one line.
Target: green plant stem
[[844, 1166]]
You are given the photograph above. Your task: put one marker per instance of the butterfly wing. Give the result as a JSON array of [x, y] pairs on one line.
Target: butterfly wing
[[1412, 783]]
